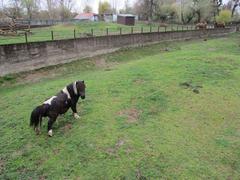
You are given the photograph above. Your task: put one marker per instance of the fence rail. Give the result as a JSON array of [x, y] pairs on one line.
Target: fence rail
[[39, 35]]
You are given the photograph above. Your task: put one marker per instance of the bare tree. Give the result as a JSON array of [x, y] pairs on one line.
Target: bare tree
[[146, 8], [30, 6], [12, 9], [87, 9], [236, 3], [65, 8], [216, 7], [51, 5]]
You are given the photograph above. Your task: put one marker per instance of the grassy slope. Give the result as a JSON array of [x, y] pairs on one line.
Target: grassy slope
[[60, 32], [66, 31], [136, 120]]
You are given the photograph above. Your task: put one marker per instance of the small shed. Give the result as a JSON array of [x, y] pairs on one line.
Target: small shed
[[126, 19]]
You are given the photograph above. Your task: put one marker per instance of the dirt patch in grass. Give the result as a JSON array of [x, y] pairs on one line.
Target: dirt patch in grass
[[132, 115], [139, 81], [66, 128], [36, 76], [112, 151], [139, 175], [212, 49], [2, 165], [101, 62], [191, 86], [17, 153], [56, 151], [42, 177]]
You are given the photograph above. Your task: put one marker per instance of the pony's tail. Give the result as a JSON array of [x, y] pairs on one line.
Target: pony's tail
[[36, 117]]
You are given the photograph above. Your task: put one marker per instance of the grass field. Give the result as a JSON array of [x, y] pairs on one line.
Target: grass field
[[166, 111], [66, 31]]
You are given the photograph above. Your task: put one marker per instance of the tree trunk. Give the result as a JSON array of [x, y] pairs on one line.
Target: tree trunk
[[199, 15], [234, 8], [151, 11]]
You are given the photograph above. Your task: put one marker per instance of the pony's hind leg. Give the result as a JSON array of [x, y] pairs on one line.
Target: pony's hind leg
[[50, 124], [38, 127], [37, 130]]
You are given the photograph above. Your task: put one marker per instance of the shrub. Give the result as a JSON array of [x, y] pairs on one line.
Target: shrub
[[224, 16]]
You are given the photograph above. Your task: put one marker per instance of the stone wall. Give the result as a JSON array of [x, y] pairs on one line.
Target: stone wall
[[23, 57]]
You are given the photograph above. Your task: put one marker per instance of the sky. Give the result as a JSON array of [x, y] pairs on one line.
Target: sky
[[119, 4], [80, 4]]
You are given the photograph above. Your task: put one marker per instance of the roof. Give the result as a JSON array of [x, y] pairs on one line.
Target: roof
[[85, 15], [126, 15]]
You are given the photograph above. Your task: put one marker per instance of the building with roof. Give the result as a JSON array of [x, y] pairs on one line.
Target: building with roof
[[126, 19], [86, 17]]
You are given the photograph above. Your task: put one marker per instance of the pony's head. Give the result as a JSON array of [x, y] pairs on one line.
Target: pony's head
[[81, 88]]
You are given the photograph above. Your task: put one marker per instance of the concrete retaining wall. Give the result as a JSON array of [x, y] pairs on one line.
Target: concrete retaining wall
[[23, 57]]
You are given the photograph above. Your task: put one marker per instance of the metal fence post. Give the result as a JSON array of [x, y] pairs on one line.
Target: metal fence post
[[141, 29], [158, 28], [150, 28], [107, 31], [120, 31], [165, 28], [132, 30], [92, 31], [26, 38], [74, 34], [52, 35]]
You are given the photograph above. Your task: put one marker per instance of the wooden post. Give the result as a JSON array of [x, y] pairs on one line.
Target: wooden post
[[26, 39], [52, 35], [132, 30], [74, 34], [92, 32]]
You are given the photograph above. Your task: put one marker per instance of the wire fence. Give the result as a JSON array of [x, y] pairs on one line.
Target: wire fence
[[46, 34]]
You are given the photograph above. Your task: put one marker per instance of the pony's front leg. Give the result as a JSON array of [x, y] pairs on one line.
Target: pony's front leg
[[74, 109], [50, 124]]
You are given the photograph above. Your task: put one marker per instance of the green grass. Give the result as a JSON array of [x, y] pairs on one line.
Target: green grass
[[137, 120], [66, 31]]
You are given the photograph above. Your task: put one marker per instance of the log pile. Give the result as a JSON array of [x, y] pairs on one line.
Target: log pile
[[202, 25], [12, 28]]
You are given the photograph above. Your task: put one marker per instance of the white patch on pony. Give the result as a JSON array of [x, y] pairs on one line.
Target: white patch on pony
[[65, 91], [76, 116], [50, 133], [49, 101], [75, 88]]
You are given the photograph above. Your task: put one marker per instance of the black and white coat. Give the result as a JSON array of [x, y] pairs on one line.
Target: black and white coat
[[57, 105]]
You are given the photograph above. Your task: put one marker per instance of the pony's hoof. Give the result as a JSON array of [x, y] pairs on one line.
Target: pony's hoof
[[50, 133], [37, 130], [76, 116]]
